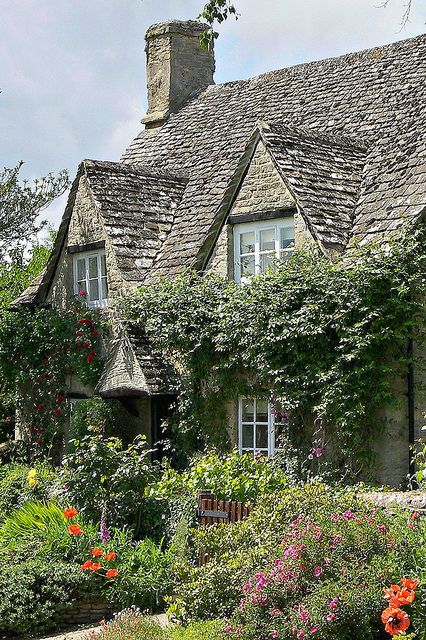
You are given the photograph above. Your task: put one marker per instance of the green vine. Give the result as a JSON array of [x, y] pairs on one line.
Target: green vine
[[322, 338], [38, 349]]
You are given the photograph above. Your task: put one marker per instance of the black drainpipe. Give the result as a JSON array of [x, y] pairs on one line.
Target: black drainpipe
[[410, 398]]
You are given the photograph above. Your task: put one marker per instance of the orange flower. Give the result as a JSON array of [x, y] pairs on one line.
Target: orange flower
[[392, 591], [396, 621], [95, 566], [410, 584], [86, 565], [112, 573], [70, 513], [74, 530], [111, 555], [96, 552]]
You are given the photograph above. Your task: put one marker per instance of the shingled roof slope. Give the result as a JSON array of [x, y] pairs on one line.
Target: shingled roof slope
[[378, 96], [137, 208], [323, 173]]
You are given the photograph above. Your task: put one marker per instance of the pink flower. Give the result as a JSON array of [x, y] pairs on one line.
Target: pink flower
[[275, 634], [314, 630], [318, 571], [300, 635], [279, 564], [330, 617], [334, 517], [303, 614], [318, 533], [275, 613], [333, 604], [228, 629], [247, 587], [410, 524], [348, 515], [381, 528], [327, 560]]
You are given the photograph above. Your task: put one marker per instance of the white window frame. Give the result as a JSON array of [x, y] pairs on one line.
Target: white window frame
[[270, 423], [86, 255], [257, 228]]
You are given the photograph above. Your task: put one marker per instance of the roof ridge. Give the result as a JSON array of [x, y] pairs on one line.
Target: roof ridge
[[314, 134], [135, 168], [378, 49]]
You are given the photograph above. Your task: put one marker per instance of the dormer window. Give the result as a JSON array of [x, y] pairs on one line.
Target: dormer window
[[258, 244], [90, 276]]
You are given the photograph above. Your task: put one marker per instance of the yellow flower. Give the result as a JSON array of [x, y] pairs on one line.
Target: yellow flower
[[32, 478]]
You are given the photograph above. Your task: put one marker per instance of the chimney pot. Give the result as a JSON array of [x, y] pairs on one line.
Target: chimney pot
[[177, 68]]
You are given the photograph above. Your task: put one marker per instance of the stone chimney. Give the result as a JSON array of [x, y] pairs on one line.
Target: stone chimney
[[177, 68]]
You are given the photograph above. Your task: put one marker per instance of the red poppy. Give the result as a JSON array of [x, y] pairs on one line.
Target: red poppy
[[404, 597], [396, 621], [111, 555], [112, 573], [95, 566], [70, 513], [96, 552], [392, 591], [75, 530], [86, 565], [410, 584]]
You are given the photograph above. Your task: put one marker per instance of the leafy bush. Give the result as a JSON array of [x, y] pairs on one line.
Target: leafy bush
[[101, 416], [34, 593], [298, 550], [146, 577], [210, 630], [18, 487], [106, 480]]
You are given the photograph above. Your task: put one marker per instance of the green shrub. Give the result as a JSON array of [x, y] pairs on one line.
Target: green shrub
[[15, 489], [210, 630], [146, 577], [34, 593], [101, 416], [301, 547], [106, 480]]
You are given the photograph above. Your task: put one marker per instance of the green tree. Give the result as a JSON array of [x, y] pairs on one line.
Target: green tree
[[21, 204]]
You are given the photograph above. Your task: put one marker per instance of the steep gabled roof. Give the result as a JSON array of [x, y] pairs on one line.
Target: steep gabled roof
[[137, 208], [376, 96]]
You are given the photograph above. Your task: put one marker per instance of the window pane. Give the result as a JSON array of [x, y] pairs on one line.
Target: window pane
[[81, 286], [103, 265], [247, 410], [93, 290], [267, 240], [247, 242], [93, 267], [287, 237], [247, 436], [104, 285], [81, 269], [261, 436], [247, 266], [262, 411], [266, 259]]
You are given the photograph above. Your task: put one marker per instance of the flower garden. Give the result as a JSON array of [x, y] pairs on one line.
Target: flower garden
[[310, 561]]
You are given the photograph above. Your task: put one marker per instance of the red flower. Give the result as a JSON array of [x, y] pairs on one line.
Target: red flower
[[82, 293], [59, 399], [90, 357], [112, 573], [96, 552], [45, 361], [111, 555], [70, 513], [57, 411], [41, 376], [85, 344], [95, 566], [39, 406], [86, 565], [415, 515], [81, 321], [95, 332], [396, 621], [39, 442], [79, 334], [410, 584], [75, 530]]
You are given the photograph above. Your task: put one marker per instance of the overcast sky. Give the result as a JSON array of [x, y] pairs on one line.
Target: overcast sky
[[72, 72]]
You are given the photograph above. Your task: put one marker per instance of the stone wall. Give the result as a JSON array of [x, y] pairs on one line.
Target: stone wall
[[84, 613]]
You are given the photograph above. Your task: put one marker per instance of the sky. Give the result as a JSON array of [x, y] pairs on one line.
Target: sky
[[72, 72]]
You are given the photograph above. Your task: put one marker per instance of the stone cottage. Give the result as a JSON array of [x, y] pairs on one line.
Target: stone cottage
[[227, 178]]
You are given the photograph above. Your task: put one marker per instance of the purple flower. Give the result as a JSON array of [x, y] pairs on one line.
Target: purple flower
[[348, 515]]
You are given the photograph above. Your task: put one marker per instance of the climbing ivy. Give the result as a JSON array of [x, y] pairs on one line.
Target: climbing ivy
[[322, 338], [39, 348]]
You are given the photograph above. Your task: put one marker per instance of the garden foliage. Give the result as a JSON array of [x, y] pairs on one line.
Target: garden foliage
[[323, 340]]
